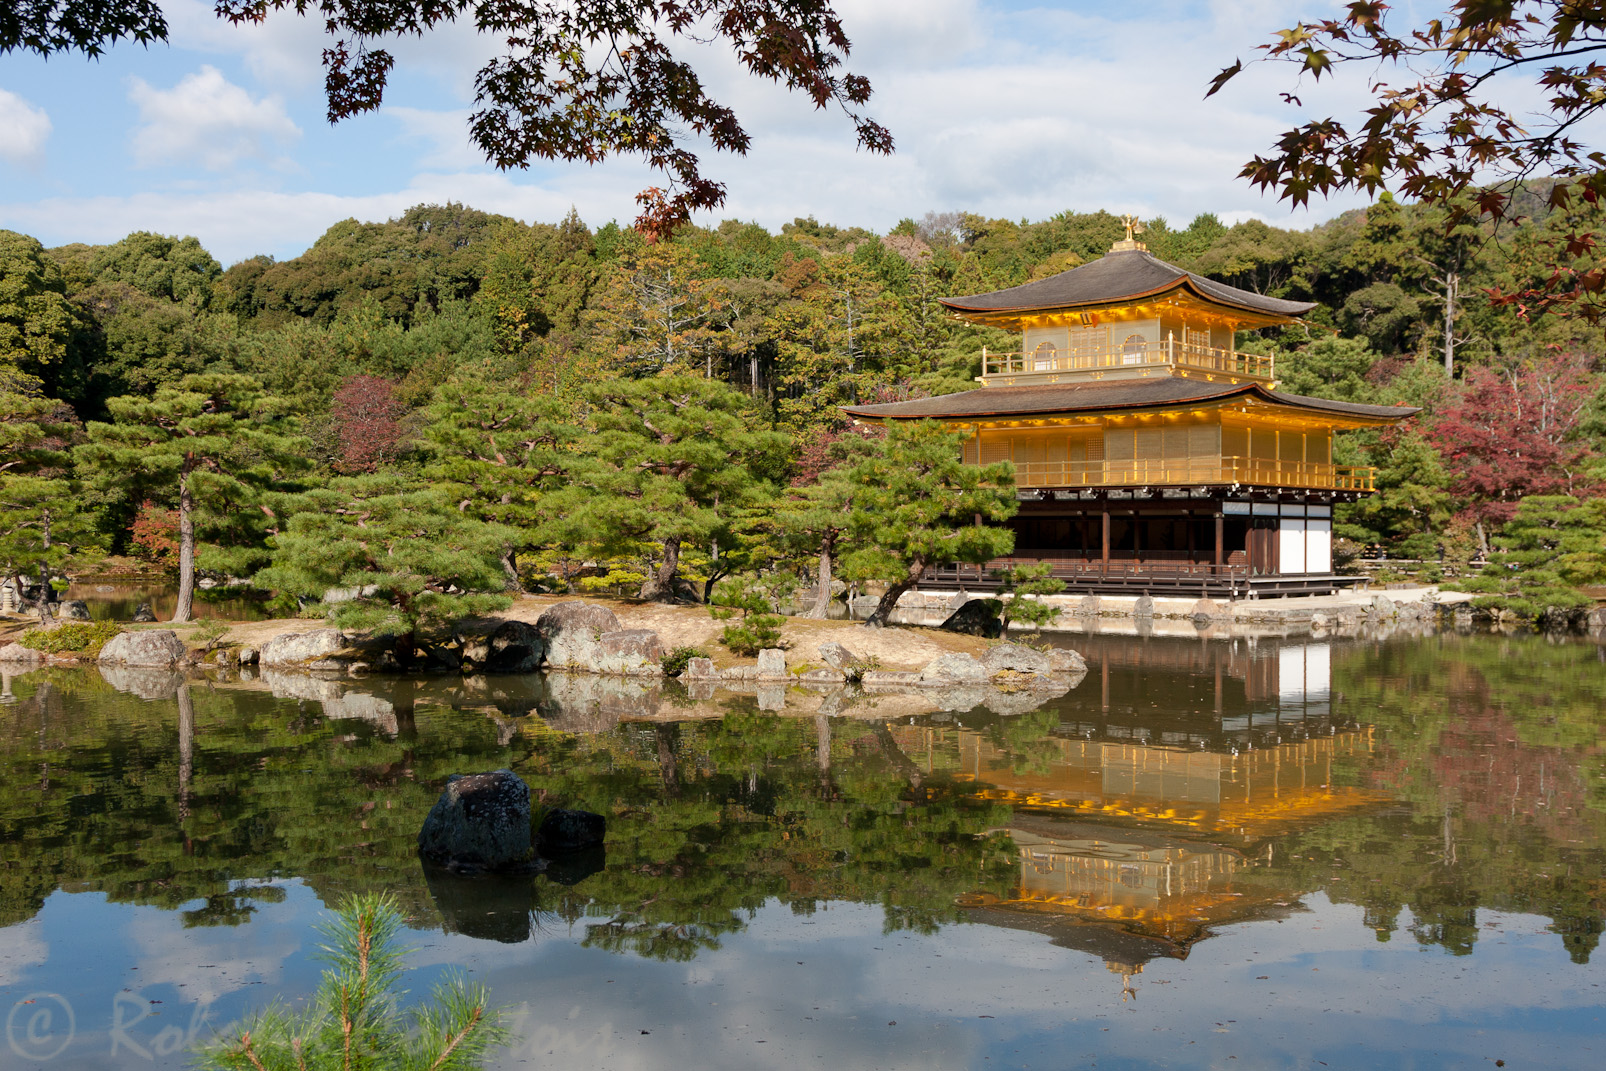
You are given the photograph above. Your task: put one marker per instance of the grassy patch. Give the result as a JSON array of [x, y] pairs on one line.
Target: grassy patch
[[80, 637]]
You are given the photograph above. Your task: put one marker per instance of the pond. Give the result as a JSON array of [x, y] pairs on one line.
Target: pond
[[1209, 853]]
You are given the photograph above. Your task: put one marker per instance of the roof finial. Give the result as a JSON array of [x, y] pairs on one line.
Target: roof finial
[[1133, 225]]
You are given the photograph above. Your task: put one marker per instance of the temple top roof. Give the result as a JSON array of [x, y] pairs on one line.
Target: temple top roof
[[1120, 277], [1165, 392]]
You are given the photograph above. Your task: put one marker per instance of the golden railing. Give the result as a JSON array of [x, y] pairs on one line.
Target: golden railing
[[1167, 353], [1182, 472]]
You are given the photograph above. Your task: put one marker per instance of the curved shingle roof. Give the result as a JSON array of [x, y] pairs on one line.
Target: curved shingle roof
[[1159, 392], [1119, 275]]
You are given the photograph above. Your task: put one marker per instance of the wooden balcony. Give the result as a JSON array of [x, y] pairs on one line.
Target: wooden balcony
[[1169, 354], [1196, 472]]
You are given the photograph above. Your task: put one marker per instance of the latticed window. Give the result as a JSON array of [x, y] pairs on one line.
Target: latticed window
[[1043, 357], [1132, 349]]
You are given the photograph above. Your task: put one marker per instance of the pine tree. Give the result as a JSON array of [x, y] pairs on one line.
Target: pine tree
[[413, 563], [213, 444], [917, 505], [41, 509], [671, 461]]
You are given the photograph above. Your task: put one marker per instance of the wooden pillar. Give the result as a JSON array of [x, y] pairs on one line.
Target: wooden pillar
[[1104, 555], [1221, 539]]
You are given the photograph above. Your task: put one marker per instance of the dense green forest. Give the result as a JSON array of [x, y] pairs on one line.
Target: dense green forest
[[486, 400]]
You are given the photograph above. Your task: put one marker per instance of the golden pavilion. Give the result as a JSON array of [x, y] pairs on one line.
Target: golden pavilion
[[1151, 454]]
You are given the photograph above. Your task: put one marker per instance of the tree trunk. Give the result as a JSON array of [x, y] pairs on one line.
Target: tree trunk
[[889, 601], [660, 587], [822, 599], [1452, 287], [186, 749], [510, 566], [186, 552]]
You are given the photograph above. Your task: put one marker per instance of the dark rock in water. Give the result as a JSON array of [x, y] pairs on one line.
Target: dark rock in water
[[144, 615], [978, 617], [73, 610], [564, 831], [480, 822], [490, 907], [572, 868]]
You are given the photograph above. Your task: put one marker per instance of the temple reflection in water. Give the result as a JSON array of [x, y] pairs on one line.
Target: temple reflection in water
[[1171, 773]]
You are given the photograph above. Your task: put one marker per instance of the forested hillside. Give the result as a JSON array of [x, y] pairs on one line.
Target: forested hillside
[[451, 360]]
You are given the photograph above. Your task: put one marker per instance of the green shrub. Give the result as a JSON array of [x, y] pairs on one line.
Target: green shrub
[[80, 637], [674, 662], [759, 628]]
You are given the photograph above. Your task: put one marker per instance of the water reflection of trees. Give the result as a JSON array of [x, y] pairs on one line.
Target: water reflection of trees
[[1490, 751], [189, 803]]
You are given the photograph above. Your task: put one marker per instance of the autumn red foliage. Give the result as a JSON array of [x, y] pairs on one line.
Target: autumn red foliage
[[155, 534], [1512, 433], [370, 423]]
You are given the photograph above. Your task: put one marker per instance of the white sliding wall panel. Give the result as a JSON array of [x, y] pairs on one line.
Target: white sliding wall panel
[[1318, 546], [1291, 545]]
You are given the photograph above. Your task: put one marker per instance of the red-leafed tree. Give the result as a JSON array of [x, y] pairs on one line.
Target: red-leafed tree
[[1507, 434], [155, 533], [370, 422]]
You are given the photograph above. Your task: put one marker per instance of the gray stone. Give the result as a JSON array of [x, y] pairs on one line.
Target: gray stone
[[16, 652], [821, 675], [1088, 606], [978, 617], [1012, 657], [890, 678], [1143, 606], [835, 655], [1208, 610], [249, 656], [480, 822], [634, 652], [158, 647], [1065, 660], [739, 673], [512, 647], [144, 615], [952, 669], [771, 665], [1555, 619], [700, 669], [73, 610], [1594, 621], [294, 647], [1318, 619], [573, 632], [1383, 607], [563, 830]]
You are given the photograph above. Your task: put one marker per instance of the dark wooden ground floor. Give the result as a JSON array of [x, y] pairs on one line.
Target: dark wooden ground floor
[[1174, 544]]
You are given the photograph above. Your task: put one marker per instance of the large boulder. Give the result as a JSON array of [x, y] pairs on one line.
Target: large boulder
[[512, 647], [573, 631], [1594, 621], [1013, 658], [1143, 606], [953, 669], [292, 648], [634, 652], [1383, 608], [480, 822], [1088, 606], [563, 831], [978, 617], [73, 610], [17, 653], [158, 647], [771, 664], [1207, 610]]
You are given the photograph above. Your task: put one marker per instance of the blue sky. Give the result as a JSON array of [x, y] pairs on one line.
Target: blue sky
[[1002, 108]]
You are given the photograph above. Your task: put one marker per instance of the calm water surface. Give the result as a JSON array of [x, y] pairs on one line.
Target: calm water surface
[[1208, 853]]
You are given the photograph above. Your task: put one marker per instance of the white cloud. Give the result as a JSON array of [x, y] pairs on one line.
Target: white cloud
[[444, 134], [24, 129], [206, 119]]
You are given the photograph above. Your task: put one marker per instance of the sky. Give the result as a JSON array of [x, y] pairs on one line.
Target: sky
[[999, 107]]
